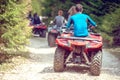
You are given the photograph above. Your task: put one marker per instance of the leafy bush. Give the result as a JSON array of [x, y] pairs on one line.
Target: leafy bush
[[14, 32], [111, 25]]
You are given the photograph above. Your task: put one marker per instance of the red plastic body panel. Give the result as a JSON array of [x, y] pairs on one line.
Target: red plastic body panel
[[90, 45], [54, 31], [39, 26], [42, 27]]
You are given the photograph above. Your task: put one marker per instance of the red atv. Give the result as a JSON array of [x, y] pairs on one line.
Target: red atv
[[39, 29], [85, 51], [53, 32]]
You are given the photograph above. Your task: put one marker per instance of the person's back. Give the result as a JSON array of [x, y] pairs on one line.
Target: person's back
[[59, 20], [79, 22], [36, 19]]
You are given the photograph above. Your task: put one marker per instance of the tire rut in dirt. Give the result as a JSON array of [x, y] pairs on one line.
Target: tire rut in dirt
[[59, 59], [95, 67]]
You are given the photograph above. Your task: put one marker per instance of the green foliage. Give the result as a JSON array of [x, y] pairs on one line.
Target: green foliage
[[110, 23], [14, 32], [95, 8], [37, 6]]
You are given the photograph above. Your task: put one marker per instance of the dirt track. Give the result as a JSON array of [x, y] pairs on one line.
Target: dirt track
[[40, 66]]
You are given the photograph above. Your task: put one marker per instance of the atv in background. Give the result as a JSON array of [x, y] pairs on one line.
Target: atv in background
[[53, 32], [85, 51], [39, 29]]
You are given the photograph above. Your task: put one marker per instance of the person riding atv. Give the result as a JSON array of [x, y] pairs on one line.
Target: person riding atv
[[80, 21], [59, 22], [79, 49], [38, 26]]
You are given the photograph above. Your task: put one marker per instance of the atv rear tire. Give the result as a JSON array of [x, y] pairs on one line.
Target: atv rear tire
[[59, 59], [44, 33], [51, 39], [95, 67], [40, 33]]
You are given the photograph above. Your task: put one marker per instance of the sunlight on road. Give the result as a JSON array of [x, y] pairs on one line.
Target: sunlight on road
[[41, 50]]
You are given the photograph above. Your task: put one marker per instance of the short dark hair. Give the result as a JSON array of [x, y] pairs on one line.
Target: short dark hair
[[35, 14]]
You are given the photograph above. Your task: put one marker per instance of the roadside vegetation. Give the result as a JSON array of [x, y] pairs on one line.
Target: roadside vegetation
[[14, 32]]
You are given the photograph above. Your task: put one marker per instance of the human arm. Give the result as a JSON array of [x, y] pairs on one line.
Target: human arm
[[70, 21], [91, 22]]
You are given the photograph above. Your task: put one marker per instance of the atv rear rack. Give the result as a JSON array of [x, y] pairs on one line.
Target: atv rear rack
[[78, 38]]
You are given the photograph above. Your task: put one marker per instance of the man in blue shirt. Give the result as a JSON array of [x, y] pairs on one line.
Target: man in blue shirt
[[80, 22]]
